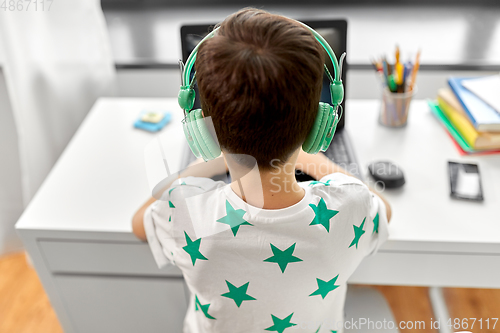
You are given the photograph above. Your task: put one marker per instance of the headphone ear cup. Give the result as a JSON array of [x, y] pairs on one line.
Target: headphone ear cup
[[190, 137], [315, 138], [209, 149], [330, 129], [194, 127]]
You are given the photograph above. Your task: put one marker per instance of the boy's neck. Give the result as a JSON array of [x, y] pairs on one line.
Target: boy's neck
[[273, 189]]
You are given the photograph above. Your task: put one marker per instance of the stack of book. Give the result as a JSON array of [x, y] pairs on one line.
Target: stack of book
[[470, 110]]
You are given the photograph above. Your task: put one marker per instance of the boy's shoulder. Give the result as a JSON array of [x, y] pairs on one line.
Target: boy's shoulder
[[341, 188], [338, 182], [188, 186]]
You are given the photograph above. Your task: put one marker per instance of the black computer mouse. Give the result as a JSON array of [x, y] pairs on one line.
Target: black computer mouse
[[388, 173]]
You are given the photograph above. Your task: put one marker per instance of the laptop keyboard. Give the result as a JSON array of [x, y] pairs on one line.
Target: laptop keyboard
[[340, 153], [337, 151]]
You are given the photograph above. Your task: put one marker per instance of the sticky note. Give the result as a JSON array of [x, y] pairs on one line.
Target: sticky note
[[152, 116]]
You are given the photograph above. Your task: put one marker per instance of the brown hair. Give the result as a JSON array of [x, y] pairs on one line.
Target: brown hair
[[260, 80]]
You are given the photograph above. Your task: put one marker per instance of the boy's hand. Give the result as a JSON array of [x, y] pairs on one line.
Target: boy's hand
[[317, 166]]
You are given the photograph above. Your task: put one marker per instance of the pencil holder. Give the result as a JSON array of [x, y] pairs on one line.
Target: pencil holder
[[394, 107]]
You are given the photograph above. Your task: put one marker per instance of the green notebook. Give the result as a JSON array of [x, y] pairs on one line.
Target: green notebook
[[451, 129]]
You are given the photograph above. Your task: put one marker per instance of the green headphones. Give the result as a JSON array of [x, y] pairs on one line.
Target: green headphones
[[203, 144]]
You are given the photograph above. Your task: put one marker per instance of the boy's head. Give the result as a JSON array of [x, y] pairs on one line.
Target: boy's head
[[260, 80]]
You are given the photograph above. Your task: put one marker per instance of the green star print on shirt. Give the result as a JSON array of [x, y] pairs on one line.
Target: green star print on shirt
[[193, 249], [324, 287], [375, 224], [238, 294], [358, 232], [203, 308], [170, 204], [322, 214], [314, 182], [279, 325], [283, 258], [233, 218]]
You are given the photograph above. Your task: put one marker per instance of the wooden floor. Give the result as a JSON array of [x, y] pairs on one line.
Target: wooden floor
[[25, 308]]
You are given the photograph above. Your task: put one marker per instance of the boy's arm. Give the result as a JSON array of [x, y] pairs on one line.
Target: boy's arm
[[319, 166], [138, 220], [386, 203], [195, 169]]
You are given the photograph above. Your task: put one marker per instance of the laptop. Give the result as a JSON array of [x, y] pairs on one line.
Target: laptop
[[335, 32]]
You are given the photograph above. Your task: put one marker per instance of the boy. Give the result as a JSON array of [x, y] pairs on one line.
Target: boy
[[264, 253]]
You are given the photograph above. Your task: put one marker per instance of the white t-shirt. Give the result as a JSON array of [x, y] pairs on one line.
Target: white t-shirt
[[260, 270]]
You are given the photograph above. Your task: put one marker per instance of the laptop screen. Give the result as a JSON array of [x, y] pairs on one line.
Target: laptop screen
[[333, 31]]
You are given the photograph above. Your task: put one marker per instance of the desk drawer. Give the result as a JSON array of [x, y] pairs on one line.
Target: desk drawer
[[107, 304], [124, 258]]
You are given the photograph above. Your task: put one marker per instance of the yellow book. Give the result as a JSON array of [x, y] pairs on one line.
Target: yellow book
[[452, 108]]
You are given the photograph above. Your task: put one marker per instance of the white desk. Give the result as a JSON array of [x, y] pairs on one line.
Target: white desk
[[100, 278]]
